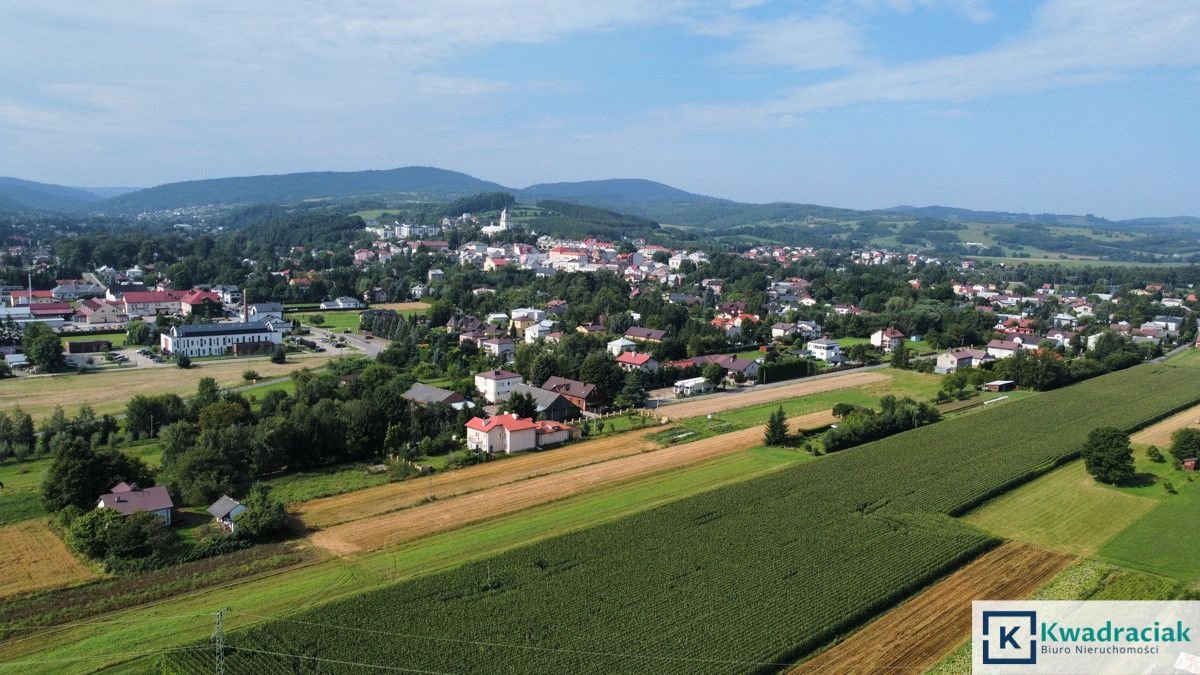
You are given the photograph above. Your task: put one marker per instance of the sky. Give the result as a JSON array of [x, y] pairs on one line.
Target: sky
[[1064, 106]]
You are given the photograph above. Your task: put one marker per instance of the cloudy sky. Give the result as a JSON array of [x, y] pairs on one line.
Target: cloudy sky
[[1064, 105]]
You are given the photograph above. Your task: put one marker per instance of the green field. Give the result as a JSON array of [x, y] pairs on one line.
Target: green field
[[117, 339], [335, 321], [849, 535], [1164, 541], [1065, 510], [180, 620], [22, 482]]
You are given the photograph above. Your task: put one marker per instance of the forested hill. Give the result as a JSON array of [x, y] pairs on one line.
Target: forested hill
[[424, 181], [613, 191], [17, 194], [968, 215]]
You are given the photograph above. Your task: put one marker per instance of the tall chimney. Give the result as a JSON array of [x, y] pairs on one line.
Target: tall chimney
[[245, 305]]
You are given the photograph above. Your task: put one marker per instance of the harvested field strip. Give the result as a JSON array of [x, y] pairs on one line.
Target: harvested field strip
[[1160, 434], [915, 635], [34, 558], [757, 396], [329, 511], [420, 521]]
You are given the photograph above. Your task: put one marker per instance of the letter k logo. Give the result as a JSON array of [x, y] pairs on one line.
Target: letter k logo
[[1001, 630]]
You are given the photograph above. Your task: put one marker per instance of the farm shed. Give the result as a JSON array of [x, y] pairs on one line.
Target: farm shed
[[999, 385]]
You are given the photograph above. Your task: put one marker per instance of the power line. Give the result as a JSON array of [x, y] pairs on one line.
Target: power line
[[399, 669]]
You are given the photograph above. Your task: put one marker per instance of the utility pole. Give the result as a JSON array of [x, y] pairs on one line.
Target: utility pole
[[219, 642]]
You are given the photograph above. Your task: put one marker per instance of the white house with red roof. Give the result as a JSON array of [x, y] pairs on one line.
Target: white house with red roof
[[509, 433], [630, 361], [887, 339]]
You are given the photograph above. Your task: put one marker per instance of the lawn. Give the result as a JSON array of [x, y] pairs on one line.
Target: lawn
[[305, 485], [108, 392], [181, 620], [1065, 510], [1165, 540], [117, 339], [334, 321]]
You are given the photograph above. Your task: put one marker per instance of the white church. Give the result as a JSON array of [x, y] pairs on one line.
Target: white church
[[496, 229]]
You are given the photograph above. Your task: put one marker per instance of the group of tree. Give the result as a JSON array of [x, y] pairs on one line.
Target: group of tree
[[858, 425]]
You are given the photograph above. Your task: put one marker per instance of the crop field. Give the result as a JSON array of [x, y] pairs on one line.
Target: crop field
[[399, 527], [1160, 434], [850, 535], [35, 558], [912, 637], [403, 307], [335, 321], [1065, 510], [176, 621], [108, 392]]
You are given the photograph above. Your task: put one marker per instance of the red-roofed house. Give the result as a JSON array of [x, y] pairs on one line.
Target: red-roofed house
[[17, 298], [205, 303], [1002, 349], [150, 303], [52, 310], [629, 361], [99, 310], [509, 433], [887, 339]]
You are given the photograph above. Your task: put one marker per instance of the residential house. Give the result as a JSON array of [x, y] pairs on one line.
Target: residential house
[[783, 331], [526, 317], [508, 434], [204, 303], [499, 347], [1170, 324], [591, 329], [948, 362], [76, 290], [550, 405], [150, 303], [888, 339], [127, 499], [824, 349], [582, 395], [645, 334], [218, 339], [620, 346], [344, 302], [539, 331], [264, 312], [496, 385], [629, 361], [97, 311], [435, 275], [423, 395], [1003, 349], [27, 297], [225, 510]]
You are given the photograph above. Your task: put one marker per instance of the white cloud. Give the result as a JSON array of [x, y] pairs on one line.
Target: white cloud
[[1071, 42], [797, 42]]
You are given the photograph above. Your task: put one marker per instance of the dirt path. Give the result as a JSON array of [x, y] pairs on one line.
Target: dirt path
[[34, 558], [402, 526], [722, 402], [915, 635], [1160, 434]]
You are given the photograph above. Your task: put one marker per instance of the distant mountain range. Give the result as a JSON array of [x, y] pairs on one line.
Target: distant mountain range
[[638, 197]]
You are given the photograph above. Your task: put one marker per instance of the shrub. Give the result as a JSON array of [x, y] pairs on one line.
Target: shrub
[[184, 361]]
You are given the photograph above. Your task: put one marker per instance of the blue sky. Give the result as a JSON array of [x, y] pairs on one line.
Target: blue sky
[[1082, 106]]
